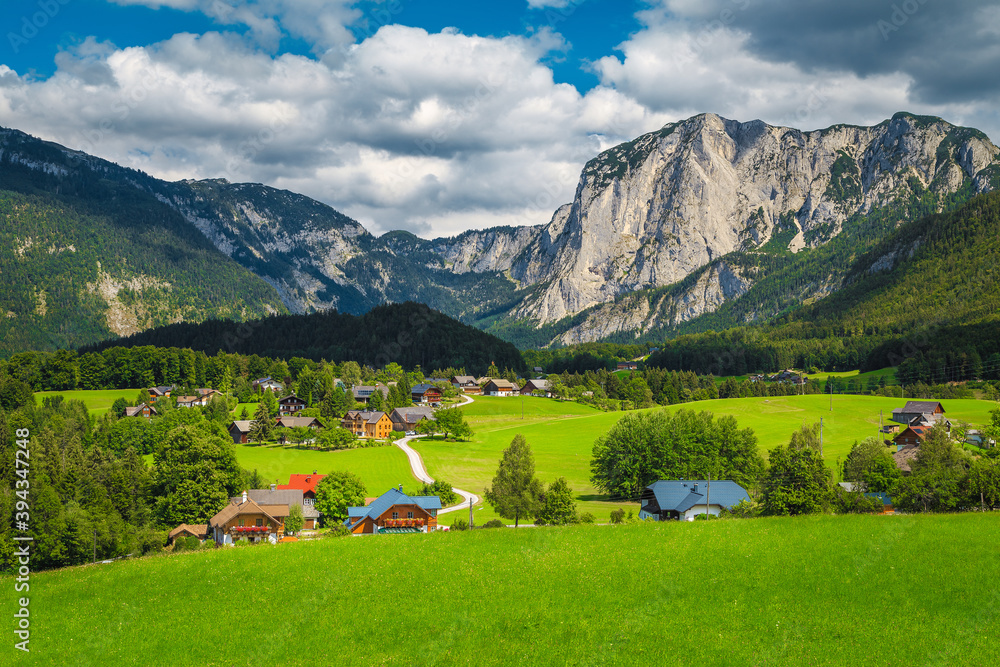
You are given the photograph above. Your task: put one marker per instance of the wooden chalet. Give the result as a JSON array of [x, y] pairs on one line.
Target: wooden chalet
[[536, 386], [395, 512], [239, 431], [367, 424], [919, 412], [162, 391], [364, 392], [208, 394], [498, 387], [276, 496], [405, 420], [628, 366], [298, 422], [289, 406], [261, 385], [191, 401], [911, 436], [466, 384], [141, 410], [245, 519], [425, 393]]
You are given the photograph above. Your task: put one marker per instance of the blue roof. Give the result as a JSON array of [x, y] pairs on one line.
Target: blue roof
[[422, 388], [382, 504], [680, 495]]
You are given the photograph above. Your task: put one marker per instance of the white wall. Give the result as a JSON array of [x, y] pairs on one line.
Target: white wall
[[700, 509]]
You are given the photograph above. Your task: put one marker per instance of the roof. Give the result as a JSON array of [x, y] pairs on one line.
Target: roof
[[234, 509], [502, 384], [368, 390], [920, 407], [290, 398], [372, 417], [304, 483], [411, 415], [904, 457], [188, 399], [137, 410], [538, 384], [242, 424], [280, 500], [919, 431], [386, 501], [198, 530], [464, 379], [423, 389], [680, 495], [294, 422]]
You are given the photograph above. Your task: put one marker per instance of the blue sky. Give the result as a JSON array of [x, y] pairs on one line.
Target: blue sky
[[438, 116]]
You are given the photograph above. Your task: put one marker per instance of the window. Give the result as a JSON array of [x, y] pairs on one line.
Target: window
[[241, 522], [260, 522], [409, 515], [395, 515]]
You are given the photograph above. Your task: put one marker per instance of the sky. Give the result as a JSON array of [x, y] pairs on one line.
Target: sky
[[438, 116]]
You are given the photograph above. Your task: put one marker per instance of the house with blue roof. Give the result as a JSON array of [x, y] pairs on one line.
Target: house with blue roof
[[683, 499], [395, 512]]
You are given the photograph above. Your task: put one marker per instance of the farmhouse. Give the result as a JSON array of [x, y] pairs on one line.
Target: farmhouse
[[683, 499], [500, 388], [264, 384], [362, 393], [425, 393], [285, 497], [304, 483], [395, 512], [298, 422], [405, 420], [239, 431], [920, 412], [367, 424], [467, 384], [141, 410], [540, 386], [289, 406], [191, 401], [199, 531], [628, 366], [208, 394], [163, 391], [911, 436], [243, 518]]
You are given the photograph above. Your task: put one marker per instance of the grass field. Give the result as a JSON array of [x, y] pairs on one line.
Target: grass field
[[98, 401], [562, 435], [850, 590]]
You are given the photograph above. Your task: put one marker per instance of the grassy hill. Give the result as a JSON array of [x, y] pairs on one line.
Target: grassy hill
[[819, 590]]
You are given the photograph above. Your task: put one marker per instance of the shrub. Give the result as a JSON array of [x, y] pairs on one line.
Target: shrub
[[339, 530], [587, 517], [745, 509], [494, 523], [461, 523], [186, 544], [618, 515]]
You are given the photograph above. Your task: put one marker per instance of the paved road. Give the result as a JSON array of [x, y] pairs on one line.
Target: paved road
[[420, 471]]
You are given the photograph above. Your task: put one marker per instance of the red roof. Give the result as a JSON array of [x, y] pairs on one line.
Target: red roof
[[305, 482]]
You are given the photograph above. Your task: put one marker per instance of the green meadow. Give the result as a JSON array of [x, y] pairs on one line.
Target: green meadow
[[819, 590], [98, 401]]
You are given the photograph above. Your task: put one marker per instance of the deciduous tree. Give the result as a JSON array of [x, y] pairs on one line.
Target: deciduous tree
[[515, 491]]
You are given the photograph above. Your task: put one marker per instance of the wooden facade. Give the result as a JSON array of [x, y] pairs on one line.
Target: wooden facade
[[289, 406], [367, 424], [405, 515], [912, 436]]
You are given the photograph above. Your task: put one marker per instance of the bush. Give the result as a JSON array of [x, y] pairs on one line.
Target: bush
[[618, 515], [189, 543], [745, 509], [587, 517], [494, 523], [461, 523], [854, 502], [339, 530]]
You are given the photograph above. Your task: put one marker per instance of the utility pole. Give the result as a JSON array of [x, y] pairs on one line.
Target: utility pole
[[95, 546], [831, 398], [821, 437], [470, 511], [708, 498]]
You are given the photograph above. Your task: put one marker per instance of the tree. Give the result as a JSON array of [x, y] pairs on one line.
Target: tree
[[194, 476], [118, 407], [270, 402], [797, 482], [806, 437], [492, 371], [336, 492], [871, 466], [984, 482], [452, 420], [336, 438], [262, 427], [937, 476], [558, 506], [376, 402], [515, 491], [442, 490], [337, 403], [293, 523]]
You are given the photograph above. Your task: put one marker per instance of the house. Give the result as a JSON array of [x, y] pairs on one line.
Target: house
[[304, 483], [466, 384], [199, 531], [162, 391], [141, 410], [683, 499], [628, 366], [537, 370], [239, 431], [362, 392], [911, 436], [540, 386], [405, 420], [890, 428], [264, 384], [289, 406], [756, 378], [243, 518], [208, 394], [191, 401], [298, 422], [904, 456], [928, 412], [425, 393], [287, 497], [881, 496], [499, 388], [395, 512], [367, 424]]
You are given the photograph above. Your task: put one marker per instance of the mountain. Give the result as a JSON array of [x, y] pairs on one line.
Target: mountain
[[85, 254], [703, 224]]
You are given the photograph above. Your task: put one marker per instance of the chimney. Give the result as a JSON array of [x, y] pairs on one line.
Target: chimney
[[244, 498], [315, 471], [274, 486], [695, 488]]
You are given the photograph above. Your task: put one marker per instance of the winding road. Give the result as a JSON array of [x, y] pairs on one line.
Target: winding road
[[420, 471]]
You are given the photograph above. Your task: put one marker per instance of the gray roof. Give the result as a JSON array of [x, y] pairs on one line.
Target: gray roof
[[411, 415], [920, 407], [464, 379], [681, 495], [382, 504], [280, 497], [293, 422], [364, 391], [242, 424], [423, 388]]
